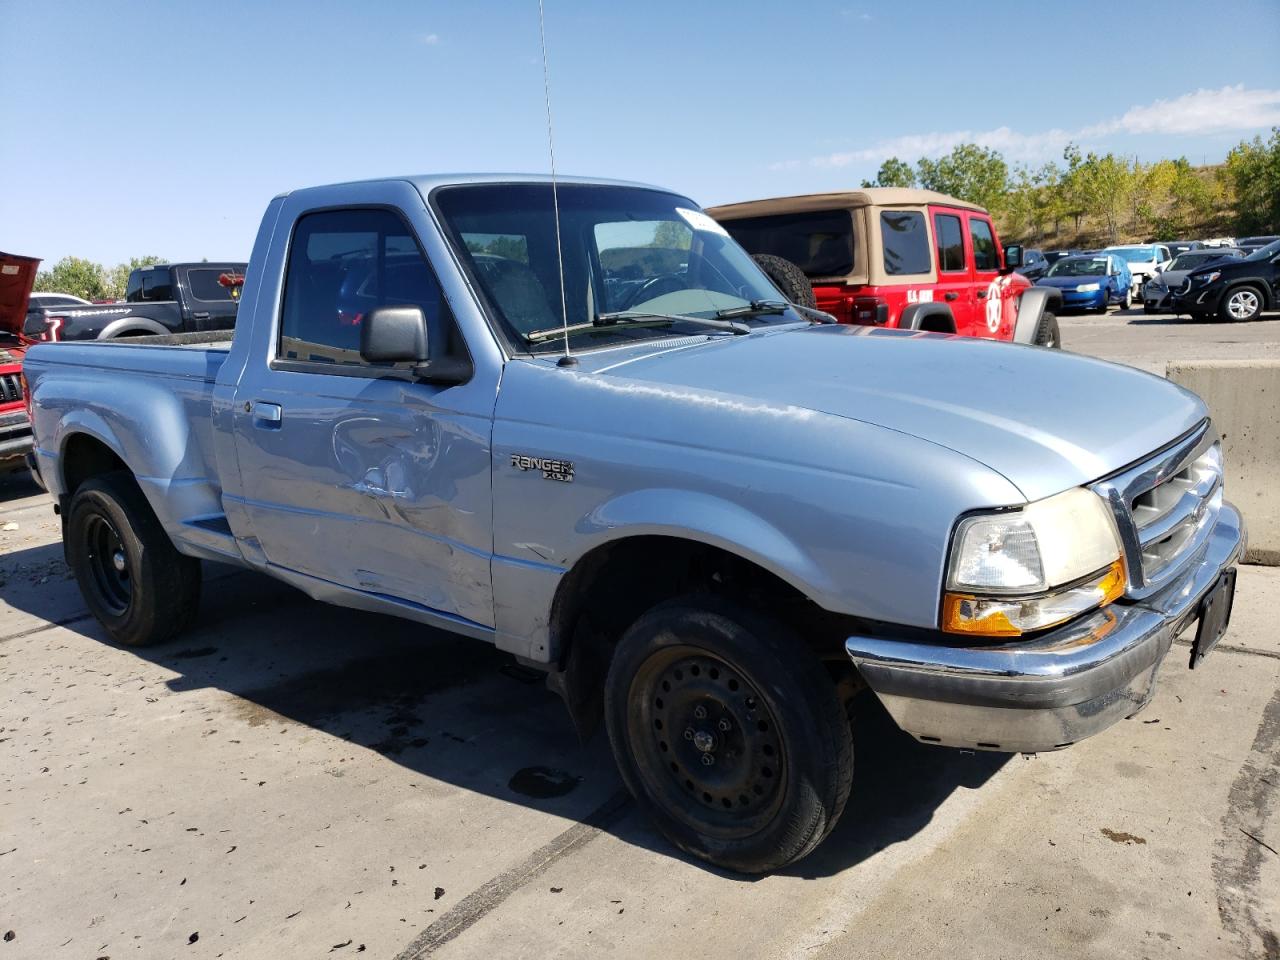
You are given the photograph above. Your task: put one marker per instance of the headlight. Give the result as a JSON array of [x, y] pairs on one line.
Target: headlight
[[1018, 571], [1086, 288], [1208, 277]]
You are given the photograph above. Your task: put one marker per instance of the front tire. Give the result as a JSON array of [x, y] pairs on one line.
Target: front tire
[[138, 586], [1047, 333], [729, 732], [1240, 304]]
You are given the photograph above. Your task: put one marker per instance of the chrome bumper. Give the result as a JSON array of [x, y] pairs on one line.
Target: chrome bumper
[[1046, 693]]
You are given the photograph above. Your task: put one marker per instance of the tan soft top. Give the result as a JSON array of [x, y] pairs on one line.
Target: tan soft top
[[841, 200]]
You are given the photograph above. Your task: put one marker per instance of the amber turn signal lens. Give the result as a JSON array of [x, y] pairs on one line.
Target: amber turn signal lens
[[1014, 616]]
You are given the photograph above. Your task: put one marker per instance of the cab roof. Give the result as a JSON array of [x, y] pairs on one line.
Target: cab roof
[[843, 199], [427, 182]]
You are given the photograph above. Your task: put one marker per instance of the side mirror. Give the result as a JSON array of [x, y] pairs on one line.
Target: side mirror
[[394, 335], [1159, 269], [1013, 256]]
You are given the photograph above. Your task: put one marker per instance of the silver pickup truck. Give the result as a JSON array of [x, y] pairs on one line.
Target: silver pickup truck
[[580, 425]]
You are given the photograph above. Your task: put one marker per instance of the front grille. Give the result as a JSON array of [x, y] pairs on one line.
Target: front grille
[[1165, 507], [10, 388]]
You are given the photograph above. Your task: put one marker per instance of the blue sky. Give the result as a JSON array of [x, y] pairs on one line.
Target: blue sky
[[137, 127]]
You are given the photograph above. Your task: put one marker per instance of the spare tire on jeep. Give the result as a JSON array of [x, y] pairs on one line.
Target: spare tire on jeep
[[788, 278]]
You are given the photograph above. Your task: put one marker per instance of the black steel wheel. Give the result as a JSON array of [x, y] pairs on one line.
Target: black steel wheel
[[133, 579], [729, 732], [705, 734], [108, 565]]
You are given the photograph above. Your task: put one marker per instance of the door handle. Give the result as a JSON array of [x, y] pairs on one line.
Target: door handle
[[982, 294], [265, 414], [201, 315], [951, 295]]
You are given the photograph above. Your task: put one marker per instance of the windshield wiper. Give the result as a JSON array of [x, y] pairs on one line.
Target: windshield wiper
[[634, 318], [755, 308]]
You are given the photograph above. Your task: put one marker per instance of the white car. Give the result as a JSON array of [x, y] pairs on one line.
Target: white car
[[55, 300], [1145, 261]]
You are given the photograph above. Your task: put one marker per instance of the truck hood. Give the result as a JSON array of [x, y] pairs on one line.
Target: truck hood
[[1044, 419], [17, 277]]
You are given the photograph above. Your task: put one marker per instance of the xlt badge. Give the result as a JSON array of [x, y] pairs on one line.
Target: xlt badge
[[561, 470]]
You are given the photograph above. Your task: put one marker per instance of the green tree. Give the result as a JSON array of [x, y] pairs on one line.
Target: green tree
[[1098, 186], [1253, 174], [894, 172], [76, 276], [969, 172]]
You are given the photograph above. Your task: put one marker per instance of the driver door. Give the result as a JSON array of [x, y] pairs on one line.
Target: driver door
[[358, 474]]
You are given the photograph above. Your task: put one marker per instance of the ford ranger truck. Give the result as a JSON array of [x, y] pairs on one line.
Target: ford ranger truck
[[712, 520]]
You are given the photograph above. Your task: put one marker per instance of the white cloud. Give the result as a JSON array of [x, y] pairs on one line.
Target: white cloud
[[1206, 111], [1201, 112], [429, 39]]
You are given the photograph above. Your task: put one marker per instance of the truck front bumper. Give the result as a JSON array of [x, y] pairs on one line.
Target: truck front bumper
[[1052, 691]]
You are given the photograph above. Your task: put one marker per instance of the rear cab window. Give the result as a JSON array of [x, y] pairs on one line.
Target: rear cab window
[[905, 237], [819, 242]]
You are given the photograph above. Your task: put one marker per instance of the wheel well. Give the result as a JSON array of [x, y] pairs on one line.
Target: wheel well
[[610, 587], [85, 457]]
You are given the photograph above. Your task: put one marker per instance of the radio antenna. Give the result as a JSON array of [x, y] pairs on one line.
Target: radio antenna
[[568, 360]]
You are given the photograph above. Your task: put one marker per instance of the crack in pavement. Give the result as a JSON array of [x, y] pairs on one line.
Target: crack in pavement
[[1237, 861], [475, 905]]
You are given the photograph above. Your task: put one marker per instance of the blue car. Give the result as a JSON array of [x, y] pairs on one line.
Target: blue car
[[1091, 282]]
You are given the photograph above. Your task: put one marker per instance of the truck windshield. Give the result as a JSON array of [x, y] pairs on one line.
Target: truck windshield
[[627, 250]]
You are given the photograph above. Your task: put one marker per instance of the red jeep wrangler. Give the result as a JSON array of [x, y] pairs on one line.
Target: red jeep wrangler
[[895, 257]]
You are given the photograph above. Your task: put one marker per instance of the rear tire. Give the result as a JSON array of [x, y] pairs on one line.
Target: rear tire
[[138, 586], [729, 732], [1047, 333], [788, 278]]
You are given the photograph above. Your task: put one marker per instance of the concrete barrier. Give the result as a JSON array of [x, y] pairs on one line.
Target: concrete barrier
[[1244, 400]]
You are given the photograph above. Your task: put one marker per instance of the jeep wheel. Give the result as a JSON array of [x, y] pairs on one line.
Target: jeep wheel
[[788, 278], [729, 733], [1242, 303], [133, 579], [1127, 302], [1047, 333]]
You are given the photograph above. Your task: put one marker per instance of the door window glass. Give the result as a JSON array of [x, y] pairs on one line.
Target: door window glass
[[343, 264], [950, 243], [984, 246], [906, 242]]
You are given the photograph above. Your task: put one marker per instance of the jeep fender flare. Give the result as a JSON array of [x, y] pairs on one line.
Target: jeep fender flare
[[1034, 303], [132, 326], [933, 317]]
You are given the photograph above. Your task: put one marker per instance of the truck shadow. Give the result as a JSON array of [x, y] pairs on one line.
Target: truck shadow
[[16, 485], [455, 710]]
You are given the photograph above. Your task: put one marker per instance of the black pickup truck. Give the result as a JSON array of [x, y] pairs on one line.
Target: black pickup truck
[[166, 298]]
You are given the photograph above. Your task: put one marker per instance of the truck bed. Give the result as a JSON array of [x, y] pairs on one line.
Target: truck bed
[[159, 415]]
